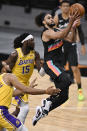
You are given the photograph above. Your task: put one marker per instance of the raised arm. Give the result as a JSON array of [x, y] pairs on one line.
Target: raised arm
[[12, 59], [50, 34]]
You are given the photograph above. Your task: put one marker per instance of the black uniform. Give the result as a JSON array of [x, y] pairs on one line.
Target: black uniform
[[70, 49], [53, 57], [53, 65]]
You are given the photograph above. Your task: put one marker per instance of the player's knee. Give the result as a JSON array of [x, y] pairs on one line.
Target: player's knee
[[66, 79]]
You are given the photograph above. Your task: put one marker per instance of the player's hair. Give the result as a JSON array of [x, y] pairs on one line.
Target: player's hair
[[39, 19], [1, 66], [65, 1], [18, 40]]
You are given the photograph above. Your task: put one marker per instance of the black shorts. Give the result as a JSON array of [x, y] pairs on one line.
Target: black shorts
[[53, 69], [70, 55]]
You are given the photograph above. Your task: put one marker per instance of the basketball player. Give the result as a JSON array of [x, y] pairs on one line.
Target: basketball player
[[53, 62], [70, 47], [21, 62], [7, 81]]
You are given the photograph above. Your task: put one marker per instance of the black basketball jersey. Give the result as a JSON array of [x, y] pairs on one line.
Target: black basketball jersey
[[62, 23], [53, 49]]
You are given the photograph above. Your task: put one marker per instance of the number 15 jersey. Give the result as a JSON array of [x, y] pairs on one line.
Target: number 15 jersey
[[24, 66]]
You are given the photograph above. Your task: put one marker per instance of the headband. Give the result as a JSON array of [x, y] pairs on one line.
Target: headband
[[27, 38]]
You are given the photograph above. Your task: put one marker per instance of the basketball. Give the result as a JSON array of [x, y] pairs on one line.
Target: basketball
[[77, 7]]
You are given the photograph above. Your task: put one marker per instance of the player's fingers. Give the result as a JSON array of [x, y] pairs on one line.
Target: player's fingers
[[34, 81], [34, 85], [57, 90], [51, 87], [77, 14]]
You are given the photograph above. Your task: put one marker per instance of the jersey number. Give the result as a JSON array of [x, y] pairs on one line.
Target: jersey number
[[25, 69]]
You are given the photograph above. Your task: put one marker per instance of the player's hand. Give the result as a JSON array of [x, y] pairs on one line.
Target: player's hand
[[6, 66], [52, 91], [76, 23], [32, 84], [74, 16]]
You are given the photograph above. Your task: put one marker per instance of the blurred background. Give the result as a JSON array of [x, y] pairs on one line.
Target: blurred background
[[17, 16]]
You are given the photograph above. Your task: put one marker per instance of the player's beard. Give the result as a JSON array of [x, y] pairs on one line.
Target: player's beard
[[51, 25], [31, 48], [9, 71]]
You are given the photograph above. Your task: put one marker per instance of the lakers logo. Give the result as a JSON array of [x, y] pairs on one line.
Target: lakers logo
[[17, 122], [29, 61]]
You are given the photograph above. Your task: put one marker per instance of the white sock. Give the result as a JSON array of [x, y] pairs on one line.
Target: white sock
[[24, 109]]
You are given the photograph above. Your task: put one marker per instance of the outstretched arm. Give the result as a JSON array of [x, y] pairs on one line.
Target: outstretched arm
[[14, 82]]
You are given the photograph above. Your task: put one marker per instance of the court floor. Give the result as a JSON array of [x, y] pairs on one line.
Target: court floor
[[71, 116]]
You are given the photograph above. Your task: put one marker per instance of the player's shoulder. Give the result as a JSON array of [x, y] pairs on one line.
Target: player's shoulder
[[47, 32]]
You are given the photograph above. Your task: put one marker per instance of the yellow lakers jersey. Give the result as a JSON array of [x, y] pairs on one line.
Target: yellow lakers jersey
[[6, 93], [24, 66]]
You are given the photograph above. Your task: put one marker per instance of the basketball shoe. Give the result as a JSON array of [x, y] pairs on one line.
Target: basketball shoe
[[41, 111], [80, 95]]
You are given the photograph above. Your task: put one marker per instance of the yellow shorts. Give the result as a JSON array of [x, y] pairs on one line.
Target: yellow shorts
[[18, 99], [7, 120]]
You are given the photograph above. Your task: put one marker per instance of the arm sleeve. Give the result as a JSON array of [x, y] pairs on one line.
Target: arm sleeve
[[81, 35]]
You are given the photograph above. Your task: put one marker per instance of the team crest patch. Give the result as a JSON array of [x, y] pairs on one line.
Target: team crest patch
[[17, 122]]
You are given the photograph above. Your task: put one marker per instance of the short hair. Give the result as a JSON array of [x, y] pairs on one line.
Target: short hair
[[1, 66], [39, 19], [18, 40], [65, 1]]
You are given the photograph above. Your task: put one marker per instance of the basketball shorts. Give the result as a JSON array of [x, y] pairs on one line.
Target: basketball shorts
[[7, 120], [18, 99], [53, 69], [70, 55]]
